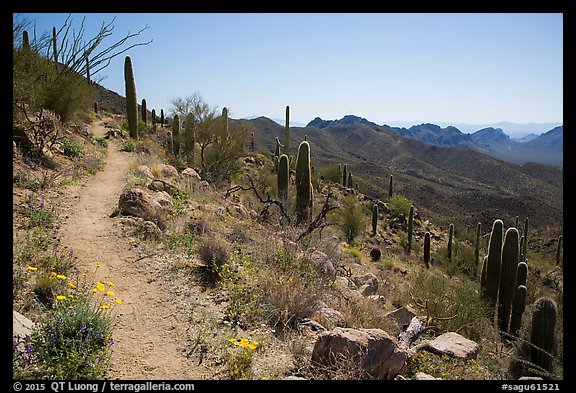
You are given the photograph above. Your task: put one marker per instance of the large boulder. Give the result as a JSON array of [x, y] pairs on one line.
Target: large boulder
[[454, 345], [373, 350], [136, 202]]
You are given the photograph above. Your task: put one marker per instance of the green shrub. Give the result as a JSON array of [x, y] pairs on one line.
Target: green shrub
[[350, 218]]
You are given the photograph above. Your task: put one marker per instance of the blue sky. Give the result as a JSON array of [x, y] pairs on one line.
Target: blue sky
[[395, 69]]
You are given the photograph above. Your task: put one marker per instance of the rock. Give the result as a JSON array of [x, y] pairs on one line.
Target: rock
[[168, 171], [367, 284], [335, 317], [191, 173], [420, 376], [144, 171], [137, 203], [378, 299], [345, 282], [163, 199], [322, 263], [309, 327], [21, 326], [402, 315], [373, 350], [150, 231], [454, 345], [530, 379]]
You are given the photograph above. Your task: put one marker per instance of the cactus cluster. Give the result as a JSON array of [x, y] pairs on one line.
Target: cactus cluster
[[542, 334]]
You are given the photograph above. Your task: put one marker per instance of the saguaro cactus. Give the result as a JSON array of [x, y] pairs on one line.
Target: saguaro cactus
[[493, 263], [477, 246], [518, 307], [345, 175], [350, 182], [131, 101], [176, 135], [507, 285], [427, 249], [525, 234], [374, 219], [390, 186], [283, 177], [161, 117], [304, 201], [25, 40], [410, 227], [55, 47], [154, 119], [450, 241], [542, 334], [144, 110], [189, 138], [287, 132]]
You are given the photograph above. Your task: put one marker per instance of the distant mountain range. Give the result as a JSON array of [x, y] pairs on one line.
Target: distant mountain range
[[546, 148], [447, 179]]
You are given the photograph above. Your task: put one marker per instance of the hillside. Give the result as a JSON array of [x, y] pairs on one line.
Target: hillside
[[452, 184]]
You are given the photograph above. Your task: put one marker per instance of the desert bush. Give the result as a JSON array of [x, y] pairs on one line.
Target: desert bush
[[214, 253], [350, 218], [398, 205]]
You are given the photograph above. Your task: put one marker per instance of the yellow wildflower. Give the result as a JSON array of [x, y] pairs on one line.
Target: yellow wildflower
[[61, 277], [71, 285], [94, 290], [110, 293], [61, 297], [32, 268], [110, 283], [105, 306], [100, 286], [252, 346], [98, 265], [119, 301], [52, 276]]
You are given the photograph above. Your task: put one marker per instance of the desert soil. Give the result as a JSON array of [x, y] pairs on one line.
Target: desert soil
[[151, 328]]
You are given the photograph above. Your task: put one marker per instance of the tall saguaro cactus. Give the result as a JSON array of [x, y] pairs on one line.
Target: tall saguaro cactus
[[131, 101], [450, 242], [427, 249], [345, 175], [410, 227], [493, 263], [518, 307], [25, 40], [176, 135], [304, 201], [508, 270], [390, 186], [287, 132], [161, 117], [525, 234], [55, 47], [283, 177], [542, 334], [144, 110], [189, 138], [374, 219]]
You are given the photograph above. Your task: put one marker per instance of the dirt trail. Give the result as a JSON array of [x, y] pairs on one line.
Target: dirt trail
[[150, 328]]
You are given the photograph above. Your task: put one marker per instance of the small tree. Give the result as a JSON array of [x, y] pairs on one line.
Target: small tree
[[350, 218]]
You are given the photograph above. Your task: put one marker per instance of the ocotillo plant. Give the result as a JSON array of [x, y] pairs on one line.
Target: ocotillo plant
[[427, 249], [518, 307], [558, 250], [374, 219], [493, 263], [189, 139], [131, 101], [508, 270], [283, 177], [410, 227], [87, 61], [144, 110], [176, 135], [287, 132], [304, 201], [390, 186], [542, 334], [345, 175], [450, 241]]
